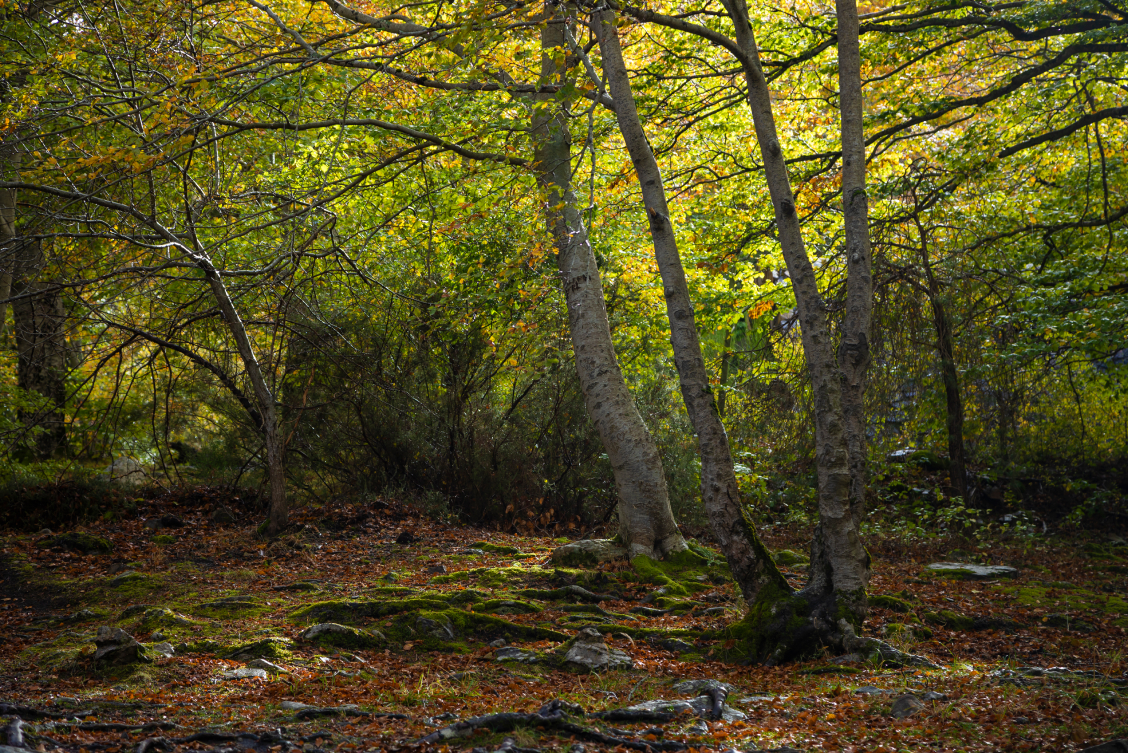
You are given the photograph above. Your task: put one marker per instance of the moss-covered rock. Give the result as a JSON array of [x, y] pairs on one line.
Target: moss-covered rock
[[233, 607], [163, 539], [489, 548], [443, 630], [950, 619], [507, 606], [162, 617], [497, 577], [273, 647], [348, 612], [789, 558], [588, 552], [77, 541], [343, 636], [679, 574], [892, 603], [902, 630]]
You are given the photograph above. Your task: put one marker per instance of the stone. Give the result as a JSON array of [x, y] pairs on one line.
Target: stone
[[294, 706], [82, 615], [967, 571], [932, 695], [589, 651], [949, 619], [405, 538], [512, 653], [269, 666], [244, 673], [671, 644], [905, 706], [129, 576], [699, 687], [788, 558], [436, 570], [222, 516], [871, 690], [77, 541], [587, 552], [698, 728], [163, 650], [125, 471], [115, 646], [701, 706], [499, 643], [441, 630], [332, 634]]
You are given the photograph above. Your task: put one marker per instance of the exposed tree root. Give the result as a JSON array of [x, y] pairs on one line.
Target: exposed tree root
[[551, 716]]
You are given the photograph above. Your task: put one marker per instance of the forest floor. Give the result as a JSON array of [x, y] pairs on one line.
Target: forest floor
[[1035, 662]]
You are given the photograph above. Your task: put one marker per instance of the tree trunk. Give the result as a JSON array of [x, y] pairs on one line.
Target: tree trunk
[[957, 471], [749, 560], [38, 317], [853, 350], [646, 522], [779, 626]]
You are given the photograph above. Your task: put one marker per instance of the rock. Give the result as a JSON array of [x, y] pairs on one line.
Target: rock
[[441, 630], [698, 728], [272, 647], [892, 603], [222, 516], [787, 558], [83, 615], [1065, 622], [590, 652], [244, 673], [405, 538], [919, 632], [77, 541], [932, 695], [499, 643], [129, 576], [900, 456], [587, 552], [1112, 746], [701, 706], [949, 619], [871, 690], [649, 611], [168, 520], [966, 571], [294, 706], [332, 634], [512, 653], [115, 646], [267, 666], [164, 616], [699, 687], [436, 570], [125, 471], [671, 644], [152, 524], [905, 706], [162, 649]]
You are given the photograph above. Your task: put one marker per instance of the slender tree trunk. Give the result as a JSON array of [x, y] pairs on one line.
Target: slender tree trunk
[[7, 233], [957, 470], [839, 571], [646, 522], [749, 560], [853, 350]]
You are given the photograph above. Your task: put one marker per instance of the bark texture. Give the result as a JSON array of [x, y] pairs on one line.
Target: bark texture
[[646, 522], [750, 562]]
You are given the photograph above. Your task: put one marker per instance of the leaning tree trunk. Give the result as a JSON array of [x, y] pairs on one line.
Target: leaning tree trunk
[[646, 522], [749, 560]]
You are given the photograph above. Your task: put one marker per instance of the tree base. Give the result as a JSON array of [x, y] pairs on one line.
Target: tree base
[[783, 626]]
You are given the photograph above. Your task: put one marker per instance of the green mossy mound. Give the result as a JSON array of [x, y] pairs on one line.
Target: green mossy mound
[[892, 603], [274, 648], [343, 636], [497, 577], [446, 630], [77, 541], [507, 606], [949, 619], [347, 612], [163, 539], [485, 546], [789, 558], [160, 617], [680, 574], [233, 607]]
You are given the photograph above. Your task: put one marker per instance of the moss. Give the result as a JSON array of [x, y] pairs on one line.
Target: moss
[[485, 546], [230, 608], [892, 603], [494, 576], [507, 606], [417, 628], [773, 629], [678, 606], [1065, 596], [949, 619], [788, 557], [161, 617], [162, 539], [346, 612], [77, 541], [351, 637], [274, 647], [918, 632]]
